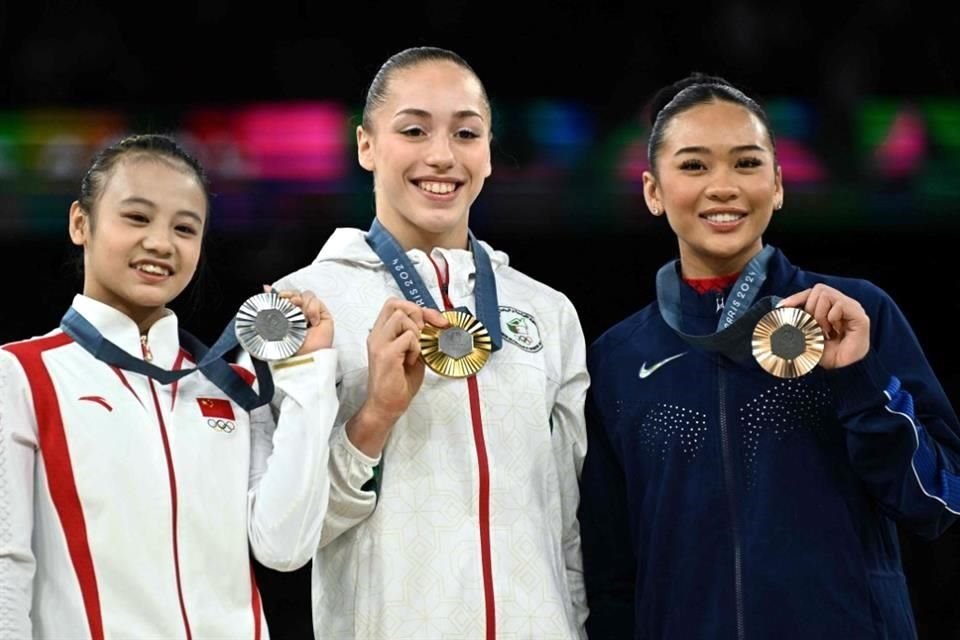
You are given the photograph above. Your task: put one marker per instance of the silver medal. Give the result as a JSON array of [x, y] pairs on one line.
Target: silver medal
[[270, 328]]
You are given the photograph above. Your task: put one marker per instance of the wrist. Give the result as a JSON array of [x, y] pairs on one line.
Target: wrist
[[368, 430]]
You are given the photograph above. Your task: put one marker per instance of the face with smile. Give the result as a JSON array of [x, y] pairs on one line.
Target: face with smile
[[717, 181], [428, 146], [141, 243]]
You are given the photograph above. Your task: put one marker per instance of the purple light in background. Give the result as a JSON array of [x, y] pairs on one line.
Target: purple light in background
[[800, 166], [294, 142], [903, 149], [633, 161]]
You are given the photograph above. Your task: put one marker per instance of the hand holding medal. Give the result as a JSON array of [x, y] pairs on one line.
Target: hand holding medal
[[787, 342], [273, 326], [816, 326], [458, 351], [393, 352], [844, 323]]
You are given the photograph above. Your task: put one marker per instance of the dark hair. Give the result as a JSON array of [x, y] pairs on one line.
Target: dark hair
[[150, 145], [157, 145], [379, 87], [695, 89]]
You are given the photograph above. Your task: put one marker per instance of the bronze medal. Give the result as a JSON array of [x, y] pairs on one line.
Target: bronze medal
[[787, 342]]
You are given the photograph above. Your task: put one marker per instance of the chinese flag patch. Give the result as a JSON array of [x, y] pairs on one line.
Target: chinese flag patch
[[216, 408]]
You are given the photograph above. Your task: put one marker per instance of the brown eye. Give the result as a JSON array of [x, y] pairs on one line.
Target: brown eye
[[692, 165], [749, 162]]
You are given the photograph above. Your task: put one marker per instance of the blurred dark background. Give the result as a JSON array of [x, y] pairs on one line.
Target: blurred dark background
[[863, 97]]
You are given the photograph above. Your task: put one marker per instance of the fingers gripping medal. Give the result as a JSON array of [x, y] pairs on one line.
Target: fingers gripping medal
[[787, 342], [459, 350], [270, 327]]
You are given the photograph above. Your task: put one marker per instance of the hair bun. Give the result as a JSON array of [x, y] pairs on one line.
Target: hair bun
[[666, 94]]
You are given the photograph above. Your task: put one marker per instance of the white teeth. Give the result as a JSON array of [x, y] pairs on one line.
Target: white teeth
[[154, 269], [437, 187], [724, 217]]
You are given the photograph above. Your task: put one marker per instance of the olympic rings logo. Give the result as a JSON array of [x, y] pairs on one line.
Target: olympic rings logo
[[223, 426]]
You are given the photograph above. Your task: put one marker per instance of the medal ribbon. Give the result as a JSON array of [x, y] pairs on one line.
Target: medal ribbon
[[411, 284], [740, 313], [210, 361]]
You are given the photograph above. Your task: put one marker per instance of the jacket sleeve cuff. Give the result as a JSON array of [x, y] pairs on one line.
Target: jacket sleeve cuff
[[358, 465], [301, 376], [859, 386]]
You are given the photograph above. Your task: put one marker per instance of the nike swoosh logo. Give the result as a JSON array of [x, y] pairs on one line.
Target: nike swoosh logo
[[646, 372]]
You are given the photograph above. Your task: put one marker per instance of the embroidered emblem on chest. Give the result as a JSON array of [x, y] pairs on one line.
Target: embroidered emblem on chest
[[219, 414], [520, 329]]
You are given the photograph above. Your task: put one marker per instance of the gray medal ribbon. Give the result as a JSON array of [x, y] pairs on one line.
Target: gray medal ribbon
[[740, 313]]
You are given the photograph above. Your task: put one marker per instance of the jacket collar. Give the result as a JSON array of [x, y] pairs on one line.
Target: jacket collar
[[162, 338], [699, 310]]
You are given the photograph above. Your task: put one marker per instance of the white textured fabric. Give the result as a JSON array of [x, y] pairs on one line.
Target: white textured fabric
[[407, 563], [241, 483]]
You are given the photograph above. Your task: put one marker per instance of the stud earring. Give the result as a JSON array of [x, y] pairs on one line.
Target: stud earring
[[655, 211]]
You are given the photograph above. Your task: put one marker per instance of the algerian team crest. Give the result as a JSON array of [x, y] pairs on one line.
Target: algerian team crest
[[521, 329]]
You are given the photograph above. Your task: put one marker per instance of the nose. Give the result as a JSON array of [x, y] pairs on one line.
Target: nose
[[158, 241], [440, 153], [723, 188]]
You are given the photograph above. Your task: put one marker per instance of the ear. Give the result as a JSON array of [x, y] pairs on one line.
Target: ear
[[778, 190], [651, 194], [365, 149], [78, 224]]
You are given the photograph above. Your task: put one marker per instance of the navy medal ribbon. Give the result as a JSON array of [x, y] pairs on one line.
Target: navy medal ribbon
[[415, 290], [210, 361], [741, 312]]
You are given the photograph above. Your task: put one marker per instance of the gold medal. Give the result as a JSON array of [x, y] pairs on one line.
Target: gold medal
[[459, 350], [787, 342]]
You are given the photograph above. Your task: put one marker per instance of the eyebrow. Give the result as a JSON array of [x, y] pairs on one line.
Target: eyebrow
[[191, 214], [706, 150], [139, 200], [420, 113], [153, 205]]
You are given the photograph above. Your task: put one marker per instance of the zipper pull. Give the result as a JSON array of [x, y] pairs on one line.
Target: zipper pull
[[147, 354], [720, 302]]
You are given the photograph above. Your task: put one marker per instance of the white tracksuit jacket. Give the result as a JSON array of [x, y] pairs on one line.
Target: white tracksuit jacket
[[473, 524], [128, 508]]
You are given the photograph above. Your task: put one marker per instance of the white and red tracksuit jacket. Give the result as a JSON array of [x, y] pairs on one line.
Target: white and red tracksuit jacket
[[128, 508], [472, 529]]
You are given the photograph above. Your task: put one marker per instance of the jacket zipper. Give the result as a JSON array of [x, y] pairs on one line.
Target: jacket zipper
[[483, 471], [728, 482], [731, 503], [172, 479], [147, 354]]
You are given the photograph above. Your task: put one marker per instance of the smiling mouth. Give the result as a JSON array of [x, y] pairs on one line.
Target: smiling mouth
[[723, 218], [437, 188], [153, 269]]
